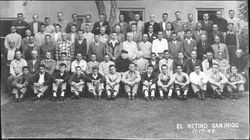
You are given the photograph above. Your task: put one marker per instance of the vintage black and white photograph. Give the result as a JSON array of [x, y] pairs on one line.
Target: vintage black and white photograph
[[125, 69]]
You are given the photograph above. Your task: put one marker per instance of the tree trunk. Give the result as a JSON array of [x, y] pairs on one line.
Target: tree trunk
[[112, 15], [101, 7]]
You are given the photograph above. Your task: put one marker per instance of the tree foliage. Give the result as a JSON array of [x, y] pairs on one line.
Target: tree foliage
[[243, 10]]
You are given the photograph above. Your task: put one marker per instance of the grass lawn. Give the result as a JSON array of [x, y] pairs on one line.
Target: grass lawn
[[122, 118]]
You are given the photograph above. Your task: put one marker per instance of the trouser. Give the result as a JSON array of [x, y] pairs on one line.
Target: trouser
[[203, 86], [114, 89], [236, 88], [39, 90], [131, 89], [220, 88], [165, 89], [96, 88], [231, 52], [10, 79], [16, 91], [149, 89], [55, 87], [178, 88], [77, 89]]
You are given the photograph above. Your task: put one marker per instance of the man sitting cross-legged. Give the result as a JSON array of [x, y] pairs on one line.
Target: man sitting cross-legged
[[149, 79], [164, 82], [60, 80], [113, 79], [96, 83], [76, 82]]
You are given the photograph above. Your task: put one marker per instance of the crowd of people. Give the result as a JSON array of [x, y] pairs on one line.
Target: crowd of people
[[155, 59]]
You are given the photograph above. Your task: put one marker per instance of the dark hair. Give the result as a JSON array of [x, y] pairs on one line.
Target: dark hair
[[173, 33], [46, 18], [63, 53], [177, 12], [62, 64], [160, 31], [165, 51], [78, 67], [188, 30], [20, 14], [74, 14], [153, 53], [41, 65], [132, 63], [179, 65], [117, 25], [60, 13], [95, 68], [133, 24], [47, 35], [112, 65], [42, 24], [234, 66], [73, 25], [78, 53], [150, 66], [88, 15], [165, 14], [58, 25], [231, 11], [25, 67], [231, 23], [164, 65], [197, 65], [215, 64], [80, 31]]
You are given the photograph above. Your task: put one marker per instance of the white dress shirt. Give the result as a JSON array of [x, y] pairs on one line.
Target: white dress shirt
[[198, 79], [41, 78], [159, 46]]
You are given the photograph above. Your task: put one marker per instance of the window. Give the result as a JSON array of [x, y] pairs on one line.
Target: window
[[129, 13], [210, 11]]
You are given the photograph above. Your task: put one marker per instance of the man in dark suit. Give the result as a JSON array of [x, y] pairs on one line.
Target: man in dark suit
[[20, 24], [203, 46], [215, 32], [206, 24], [192, 62], [124, 25], [175, 46], [168, 32], [151, 35], [221, 22], [35, 24], [163, 23], [180, 61], [34, 63], [152, 22], [101, 23], [198, 32]]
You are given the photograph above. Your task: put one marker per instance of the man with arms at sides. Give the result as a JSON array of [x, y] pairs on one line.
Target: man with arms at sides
[[182, 34], [130, 46], [99, 24], [177, 24], [88, 22], [156, 26], [192, 62], [138, 22], [89, 36], [181, 60], [28, 48], [223, 64], [40, 36], [14, 37], [96, 83], [203, 47], [120, 36], [79, 62], [208, 62], [151, 35], [99, 48], [217, 81], [49, 29], [207, 24], [60, 80], [40, 83], [72, 36], [49, 63], [114, 46], [219, 47], [145, 47], [175, 46], [190, 23], [61, 21], [113, 79], [63, 59], [65, 46], [48, 46], [189, 44], [197, 32], [77, 82], [104, 65], [131, 79], [16, 66], [136, 35], [160, 44], [20, 84], [164, 83], [236, 82], [33, 64], [163, 23], [199, 81], [57, 35], [20, 25], [103, 36], [92, 63], [73, 22], [124, 25], [81, 44], [168, 32], [149, 79], [234, 20], [221, 22], [167, 61]]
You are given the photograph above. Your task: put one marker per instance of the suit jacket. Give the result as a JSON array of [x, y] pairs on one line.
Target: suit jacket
[[191, 65], [213, 34], [156, 27], [57, 75], [69, 36], [161, 25], [137, 37], [31, 27], [59, 37], [121, 37], [181, 36], [81, 47], [153, 77], [175, 49], [156, 66], [197, 36], [140, 25], [191, 26], [223, 48], [47, 78], [114, 51], [96, 27], [124, 27], [152, 37], [167, 36], [99, 50], [207, 27], [188, 48], [201, 50], [184, 64]]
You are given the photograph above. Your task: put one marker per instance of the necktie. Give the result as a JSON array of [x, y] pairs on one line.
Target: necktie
[[210, 63], [218, 47]]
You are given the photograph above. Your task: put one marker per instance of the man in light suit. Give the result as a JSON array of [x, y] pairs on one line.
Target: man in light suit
[[163, 23], [136, 36], [139, 23], [156, 26], [220, 47], [191, 24], [175, 46], [35, 24], [198, 32], [72, 36]]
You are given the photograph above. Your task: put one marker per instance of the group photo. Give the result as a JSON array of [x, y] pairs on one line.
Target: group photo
[[124, 69]]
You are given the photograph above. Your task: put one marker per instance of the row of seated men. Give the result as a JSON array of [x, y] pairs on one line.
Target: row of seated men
[[108, 75]]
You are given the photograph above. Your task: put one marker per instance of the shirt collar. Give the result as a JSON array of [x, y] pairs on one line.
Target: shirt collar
[[111, 41], [188, 39]]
